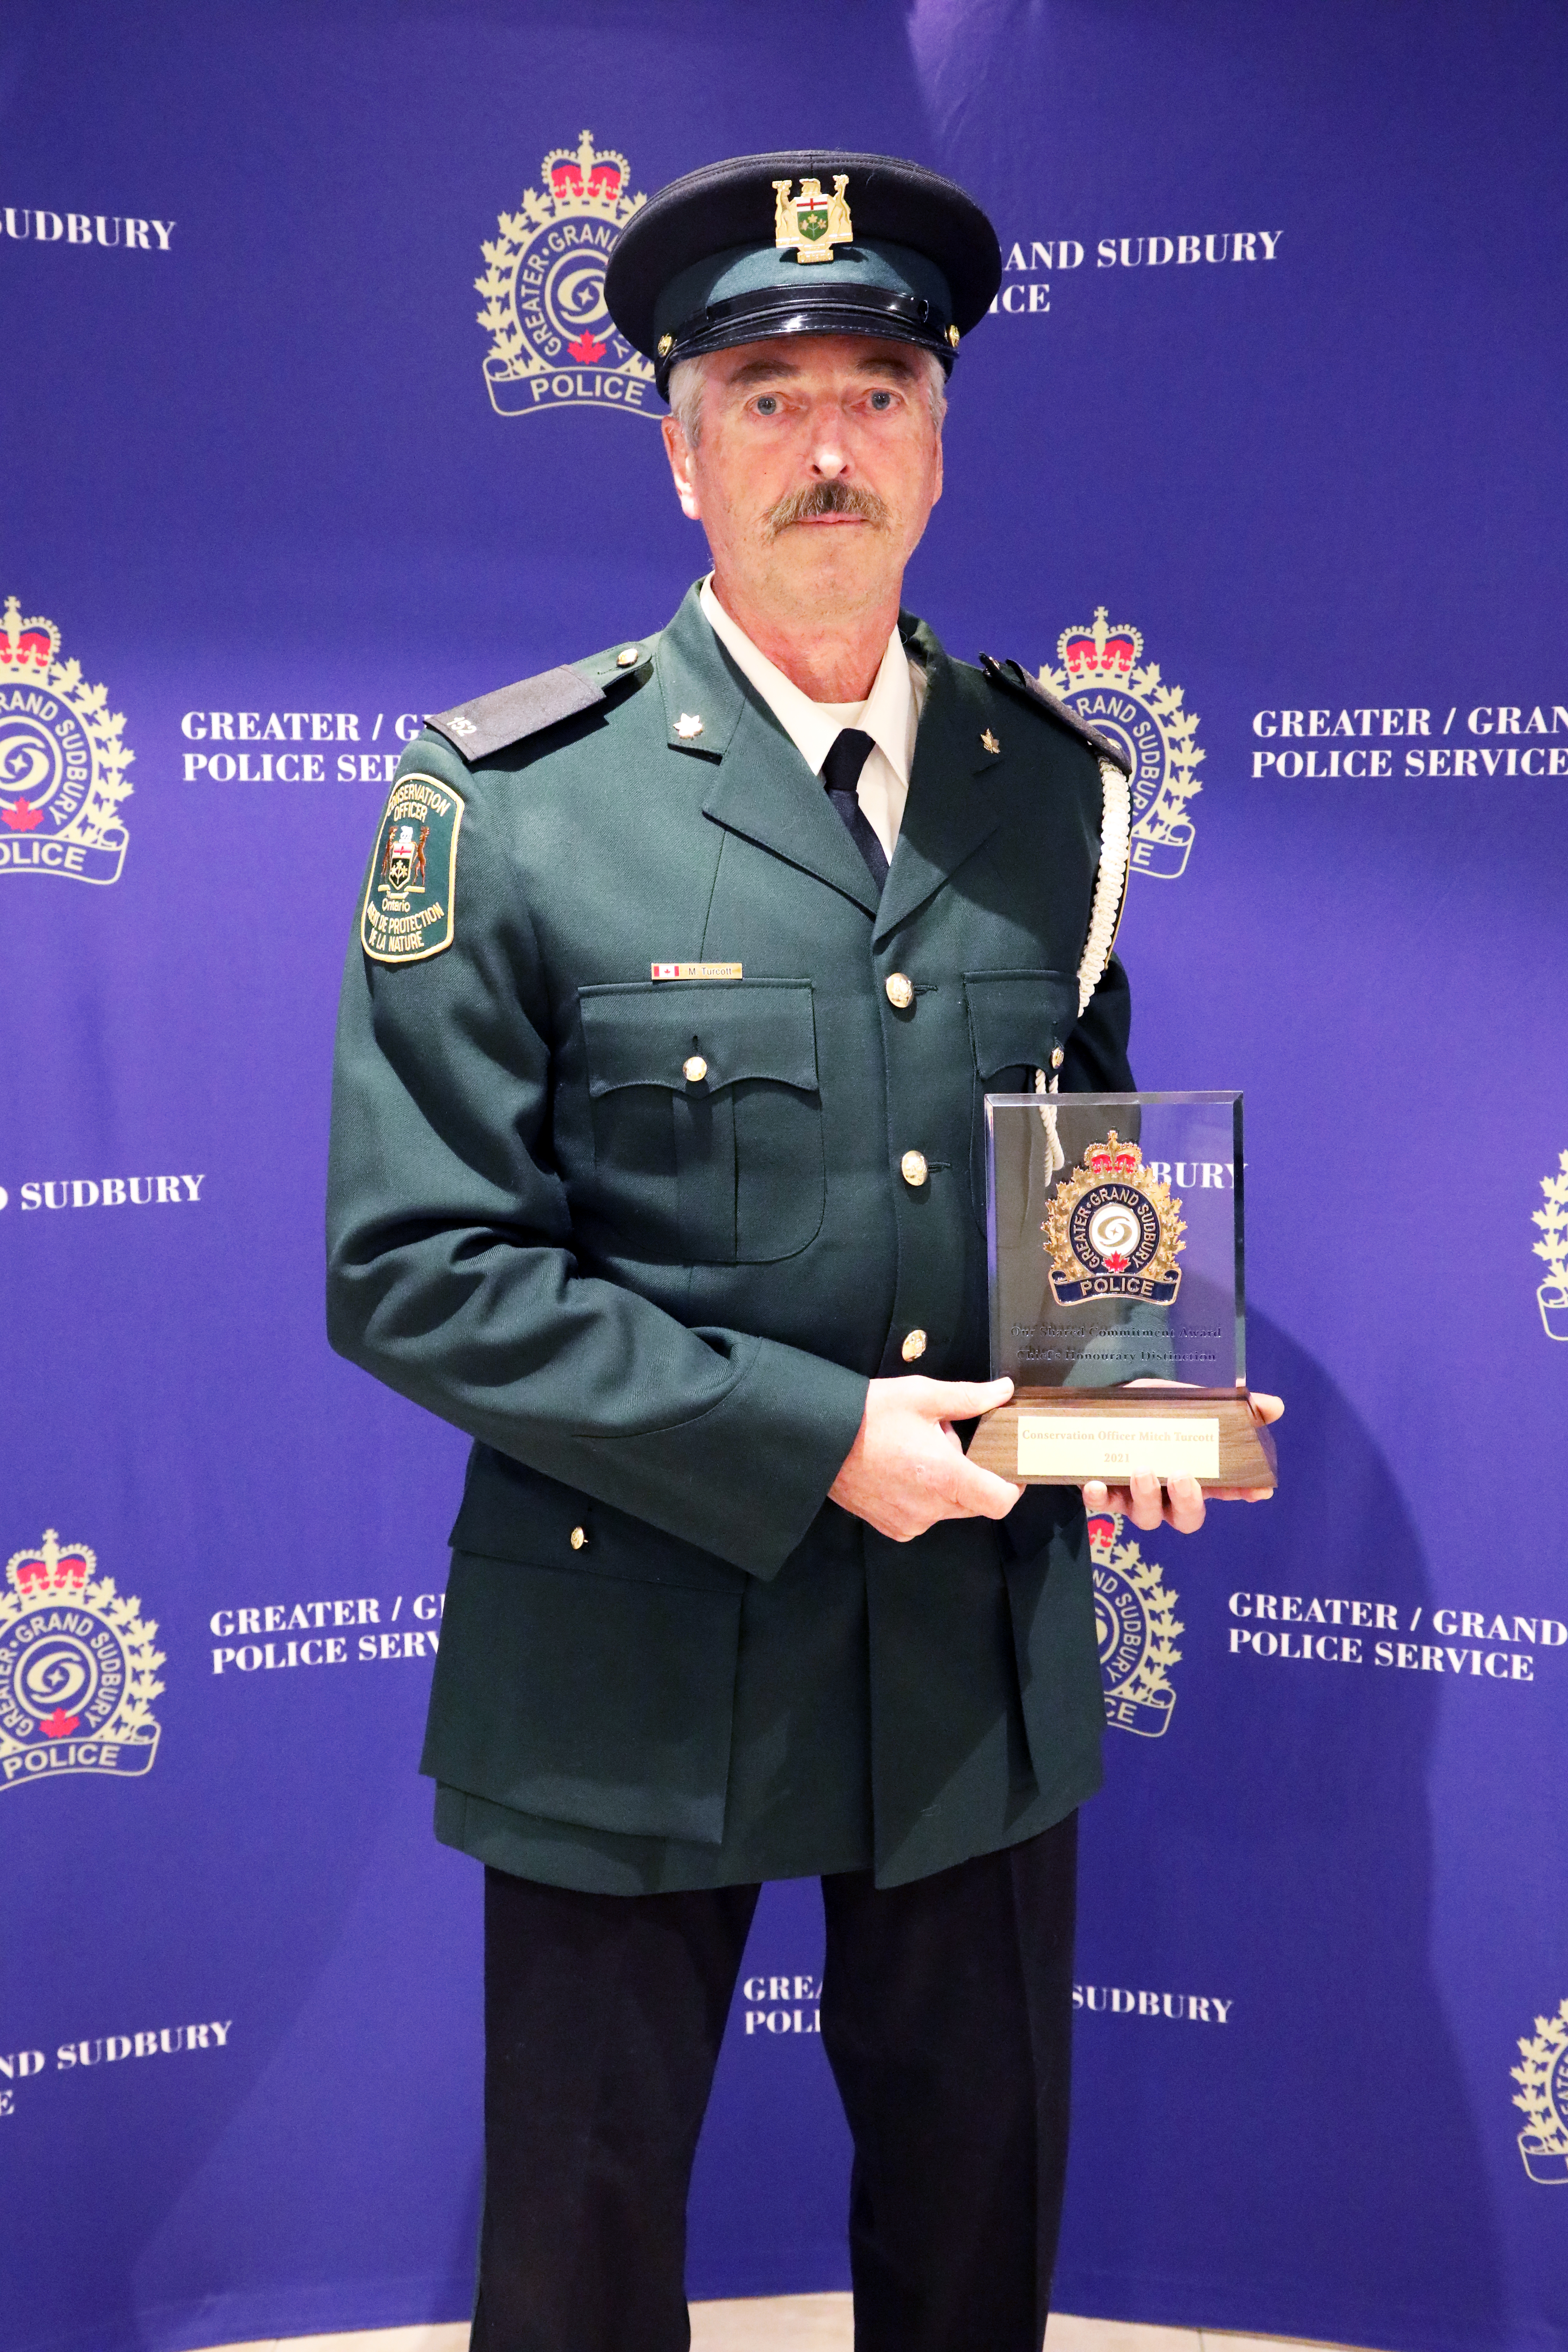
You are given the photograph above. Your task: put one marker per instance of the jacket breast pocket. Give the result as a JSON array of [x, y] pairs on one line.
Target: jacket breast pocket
[[1017, 1020], [707, 1117]]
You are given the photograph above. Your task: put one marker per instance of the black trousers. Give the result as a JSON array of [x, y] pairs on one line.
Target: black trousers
[[946, 2017]]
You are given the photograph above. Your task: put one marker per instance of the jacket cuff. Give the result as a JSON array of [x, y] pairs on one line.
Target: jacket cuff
[[746, 1478]]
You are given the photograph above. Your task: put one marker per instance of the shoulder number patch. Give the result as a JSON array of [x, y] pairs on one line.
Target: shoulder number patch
[[409, 907]]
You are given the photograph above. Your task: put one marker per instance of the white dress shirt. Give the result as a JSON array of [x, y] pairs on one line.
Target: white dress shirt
[[889, 715]]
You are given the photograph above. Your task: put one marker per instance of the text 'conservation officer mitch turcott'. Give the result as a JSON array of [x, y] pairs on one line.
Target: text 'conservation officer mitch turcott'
[[680, 975]]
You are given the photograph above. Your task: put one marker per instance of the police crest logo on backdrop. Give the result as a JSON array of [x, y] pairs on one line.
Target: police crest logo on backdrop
[[78, 1669], [62, 763], [554, 343], [1543, 2097], [1103, 678], [1551, 1297], [1134, 1616]]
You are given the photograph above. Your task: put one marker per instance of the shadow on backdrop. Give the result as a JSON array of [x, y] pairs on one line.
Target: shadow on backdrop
[[1274, 1849]]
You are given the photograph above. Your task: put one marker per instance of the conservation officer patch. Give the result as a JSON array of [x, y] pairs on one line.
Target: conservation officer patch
[[77, 1670], [409, 909]]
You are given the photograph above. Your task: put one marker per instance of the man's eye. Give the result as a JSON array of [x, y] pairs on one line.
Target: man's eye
[[767, 403], [881, 400]]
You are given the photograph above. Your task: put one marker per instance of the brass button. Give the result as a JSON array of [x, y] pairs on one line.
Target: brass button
[[1057, 1058], [579, 1536], [912, 1168], [914, 1347], [901, 990], [627, 655], [694, 1069]]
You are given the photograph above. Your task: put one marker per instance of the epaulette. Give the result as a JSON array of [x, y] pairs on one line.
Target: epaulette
[[1015, 676], [492, 722]]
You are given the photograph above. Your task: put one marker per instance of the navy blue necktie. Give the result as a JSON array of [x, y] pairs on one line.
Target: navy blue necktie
[[841, 774]]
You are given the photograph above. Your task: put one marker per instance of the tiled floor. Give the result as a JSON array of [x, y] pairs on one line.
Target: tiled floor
[[805, 2323]]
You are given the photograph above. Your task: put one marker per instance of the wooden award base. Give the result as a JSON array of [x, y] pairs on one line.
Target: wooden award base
[[1059, 1437]]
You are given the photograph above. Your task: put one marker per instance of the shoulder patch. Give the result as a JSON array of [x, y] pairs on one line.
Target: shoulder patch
[[491, 721], [1018, 680], [410, 908]]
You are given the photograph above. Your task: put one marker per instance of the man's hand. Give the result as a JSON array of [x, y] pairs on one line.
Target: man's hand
[[1182, 1502], [907, 1469]]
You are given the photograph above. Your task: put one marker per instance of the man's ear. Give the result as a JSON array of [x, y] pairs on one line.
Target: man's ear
[[682, 465]]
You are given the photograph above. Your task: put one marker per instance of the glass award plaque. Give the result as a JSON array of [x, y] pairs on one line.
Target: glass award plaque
[[1118, 1308]]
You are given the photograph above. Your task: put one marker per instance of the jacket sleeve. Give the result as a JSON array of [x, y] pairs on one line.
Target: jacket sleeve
[[450, 1270], [1095, 1055]]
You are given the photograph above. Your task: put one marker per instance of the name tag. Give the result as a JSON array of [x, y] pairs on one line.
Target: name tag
[[697, 972]]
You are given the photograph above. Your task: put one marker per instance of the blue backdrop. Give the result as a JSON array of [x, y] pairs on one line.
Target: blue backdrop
[[313, 420]]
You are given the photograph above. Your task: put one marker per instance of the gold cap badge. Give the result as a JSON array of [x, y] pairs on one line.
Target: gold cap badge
[[811, 224]]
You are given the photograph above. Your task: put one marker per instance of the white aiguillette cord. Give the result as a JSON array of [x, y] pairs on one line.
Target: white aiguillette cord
[[1110, 888]]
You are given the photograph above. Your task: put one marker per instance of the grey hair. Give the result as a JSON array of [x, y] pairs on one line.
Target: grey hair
[[685, 397], [686, 379]]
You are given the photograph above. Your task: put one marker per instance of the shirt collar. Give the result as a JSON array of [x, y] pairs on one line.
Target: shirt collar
[[888, 715]]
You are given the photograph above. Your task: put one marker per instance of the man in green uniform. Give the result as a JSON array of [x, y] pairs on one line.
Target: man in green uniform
[[681, 977]]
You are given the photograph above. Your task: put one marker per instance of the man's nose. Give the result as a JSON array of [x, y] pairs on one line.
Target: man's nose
[[830, 456]]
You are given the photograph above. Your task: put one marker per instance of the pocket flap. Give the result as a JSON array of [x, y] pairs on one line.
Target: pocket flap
[[512, 1513], [642, 1033], [606, 1705], [1019, 1017]]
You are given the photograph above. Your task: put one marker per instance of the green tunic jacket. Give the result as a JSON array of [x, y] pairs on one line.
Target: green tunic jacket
[[655, 1300]]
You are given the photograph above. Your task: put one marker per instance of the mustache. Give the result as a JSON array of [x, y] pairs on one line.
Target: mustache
[[826, 499]]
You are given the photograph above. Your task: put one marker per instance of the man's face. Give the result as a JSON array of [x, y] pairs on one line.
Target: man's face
[[817, 463]]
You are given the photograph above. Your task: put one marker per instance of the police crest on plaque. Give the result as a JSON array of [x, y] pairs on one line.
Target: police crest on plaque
[[1113, 1231]]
